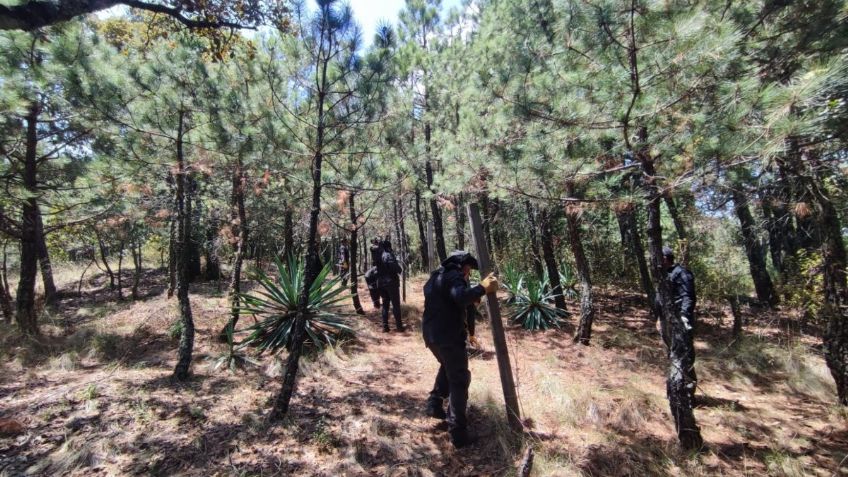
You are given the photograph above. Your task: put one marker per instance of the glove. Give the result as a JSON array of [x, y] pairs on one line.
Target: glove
[[473, 342], [490, 283]]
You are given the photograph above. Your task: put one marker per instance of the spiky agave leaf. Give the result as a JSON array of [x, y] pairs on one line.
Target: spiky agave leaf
[[277, 306], [533, 309]]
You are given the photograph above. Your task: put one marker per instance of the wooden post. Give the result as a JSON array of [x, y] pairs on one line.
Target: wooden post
[[493, 308], [433, 263]]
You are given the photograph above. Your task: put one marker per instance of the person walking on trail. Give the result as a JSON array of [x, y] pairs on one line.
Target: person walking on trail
[[447, 298], [388, 281], [371, 274], [680, 337], [344, 261]]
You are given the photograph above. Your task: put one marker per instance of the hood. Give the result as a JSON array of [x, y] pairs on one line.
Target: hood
[[458, 258]]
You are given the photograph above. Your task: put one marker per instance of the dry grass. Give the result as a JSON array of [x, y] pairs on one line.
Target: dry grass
[[95, 397]]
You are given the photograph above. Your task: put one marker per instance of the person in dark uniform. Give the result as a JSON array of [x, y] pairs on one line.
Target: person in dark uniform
[[680, 339], [388, 281], [344, 261], [447, 297]]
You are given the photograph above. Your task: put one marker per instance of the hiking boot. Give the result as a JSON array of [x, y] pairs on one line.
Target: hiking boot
[[401, 328], [436, 411], [461, 438], [385, 328]]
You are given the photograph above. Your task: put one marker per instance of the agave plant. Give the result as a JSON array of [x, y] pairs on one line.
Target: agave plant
[[533, 308], [513, 281], [232, 359], [568, 281], [276, 305]]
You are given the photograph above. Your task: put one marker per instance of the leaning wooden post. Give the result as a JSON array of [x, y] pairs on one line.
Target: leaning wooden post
[[493, 308]]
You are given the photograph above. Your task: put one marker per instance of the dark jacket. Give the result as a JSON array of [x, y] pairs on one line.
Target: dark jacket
[[376, 254], [371, 278], [388, 270], [447, 296], [683, 291]]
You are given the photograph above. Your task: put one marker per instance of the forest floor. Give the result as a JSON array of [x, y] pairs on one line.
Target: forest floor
[[94, 397]]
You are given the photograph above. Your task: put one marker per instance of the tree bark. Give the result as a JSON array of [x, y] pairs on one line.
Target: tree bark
[[679, 398], [194, 241], [550, 259], [213, 264], [422, 235], [534, 240], [288, 231], [184, 184], [25, 307], [172, 254], [239, 220], [438, 227], [136, 248], [352, 250], [44, 260], [632, 241], [104, 257], [5, 293], [835, 282], [120, 270], [459, 207], [733, 301], [587, 311], [679, 227], [754, 250]]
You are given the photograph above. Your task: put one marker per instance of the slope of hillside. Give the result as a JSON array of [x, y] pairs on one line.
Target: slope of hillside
[[95, 398]]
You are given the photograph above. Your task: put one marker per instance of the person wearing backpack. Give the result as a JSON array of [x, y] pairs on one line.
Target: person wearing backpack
[[388, 281], [447, 299]]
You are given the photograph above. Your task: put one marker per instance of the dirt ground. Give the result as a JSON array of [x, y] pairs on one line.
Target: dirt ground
[[94, 397]]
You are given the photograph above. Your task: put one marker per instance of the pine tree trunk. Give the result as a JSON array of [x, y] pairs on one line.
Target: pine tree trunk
[[25, 307], [754, 250], [550, 259], [534, 240], [835, 282], [288, 231], [682, 236], [632, 241], [194, 205], [44, 260], [213, 264], [239, 221], [587, 311], [172, 248], [136, 248], [733, 301], [120, 270], [313, 260], [5, 292], [184, 184], [438, 227], [778, 223], [422, 235], [678, 396], [459, 209], [352, 250], [104, 256]]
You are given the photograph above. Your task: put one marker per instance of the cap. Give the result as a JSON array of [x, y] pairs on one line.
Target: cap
[[667, 252], [461, 257]]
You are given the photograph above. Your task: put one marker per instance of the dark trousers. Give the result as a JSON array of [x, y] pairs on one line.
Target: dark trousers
[[391, 294], [452, 382], [375, 296]]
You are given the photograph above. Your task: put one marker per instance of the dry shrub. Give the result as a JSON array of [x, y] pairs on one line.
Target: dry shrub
[[67, 361], [802, 210], [74, 454]]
